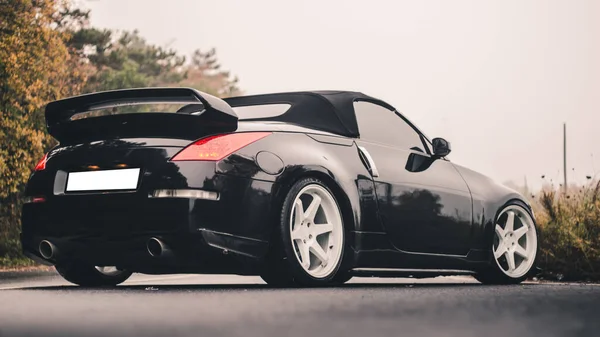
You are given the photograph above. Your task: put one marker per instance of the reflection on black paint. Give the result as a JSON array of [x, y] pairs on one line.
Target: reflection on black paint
[[419, 199], [418, 163], [167, 176], [418, 220], [110, 144], [239, 165], [158, 172]]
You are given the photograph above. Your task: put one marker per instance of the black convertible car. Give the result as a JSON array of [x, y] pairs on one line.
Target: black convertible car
[[301, 188]]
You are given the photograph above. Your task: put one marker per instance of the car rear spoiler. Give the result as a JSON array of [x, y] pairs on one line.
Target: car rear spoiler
[[205, 107], [62, 110]]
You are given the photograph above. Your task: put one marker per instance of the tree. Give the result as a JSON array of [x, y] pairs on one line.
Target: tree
[[35, 67], [204, 73], [129, 61]]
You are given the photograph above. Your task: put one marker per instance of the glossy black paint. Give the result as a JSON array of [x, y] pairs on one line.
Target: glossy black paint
[[424, 203], [419, 211]]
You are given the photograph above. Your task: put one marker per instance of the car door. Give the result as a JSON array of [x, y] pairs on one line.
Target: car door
[[424, 203]]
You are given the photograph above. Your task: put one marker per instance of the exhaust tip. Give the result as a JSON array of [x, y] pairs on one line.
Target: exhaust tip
[[155, 247], [47, 249]]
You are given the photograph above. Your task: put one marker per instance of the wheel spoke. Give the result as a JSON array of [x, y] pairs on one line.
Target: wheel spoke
[[321, 229], [311, 210], [521, 231], [521, 251], [500, 250], [304, 253], [296, 234], [510, 222], [499, 232], [298, 213], [318, 251], [510, 258]]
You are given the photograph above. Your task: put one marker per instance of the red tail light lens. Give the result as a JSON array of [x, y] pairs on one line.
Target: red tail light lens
[[41, 165], [217, 147]]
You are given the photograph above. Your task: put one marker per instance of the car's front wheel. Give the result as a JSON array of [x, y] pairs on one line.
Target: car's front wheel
[[91, 276], [312, 236], [514, 247]]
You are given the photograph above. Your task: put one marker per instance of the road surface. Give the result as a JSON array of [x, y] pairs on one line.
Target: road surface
[[191, 305]]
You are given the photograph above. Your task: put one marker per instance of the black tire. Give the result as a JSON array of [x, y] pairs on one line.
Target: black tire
[[492, 274], [342, 277], [281, 278], [278, 278], [88, 276], [283, 268]]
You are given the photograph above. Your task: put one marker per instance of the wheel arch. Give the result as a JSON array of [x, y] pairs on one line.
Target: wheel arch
[[488, 274], [513, 199], [350, 211]]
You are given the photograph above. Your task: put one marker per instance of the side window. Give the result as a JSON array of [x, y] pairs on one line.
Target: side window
[[380, 125]]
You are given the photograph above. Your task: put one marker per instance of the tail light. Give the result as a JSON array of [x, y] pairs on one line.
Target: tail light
[[214, 148], [41, 165]]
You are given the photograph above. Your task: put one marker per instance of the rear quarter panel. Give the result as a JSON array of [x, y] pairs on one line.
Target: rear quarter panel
[[332, 159]]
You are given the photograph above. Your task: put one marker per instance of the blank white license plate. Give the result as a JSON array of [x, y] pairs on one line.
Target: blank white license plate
[[108, 180]]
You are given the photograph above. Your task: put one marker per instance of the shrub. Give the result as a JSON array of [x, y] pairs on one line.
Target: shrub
[[569, 226]]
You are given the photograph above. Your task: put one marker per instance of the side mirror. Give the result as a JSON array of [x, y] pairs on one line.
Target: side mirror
[[441, 147]]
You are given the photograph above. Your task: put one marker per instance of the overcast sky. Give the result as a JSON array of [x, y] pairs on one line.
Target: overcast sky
[[497, 78]]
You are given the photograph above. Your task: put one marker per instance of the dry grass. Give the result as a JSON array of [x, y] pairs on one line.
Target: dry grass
[[569, 226]]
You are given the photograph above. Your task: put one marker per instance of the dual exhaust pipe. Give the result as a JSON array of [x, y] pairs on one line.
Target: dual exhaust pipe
[[154, 246], [47, 250], [157, 248]]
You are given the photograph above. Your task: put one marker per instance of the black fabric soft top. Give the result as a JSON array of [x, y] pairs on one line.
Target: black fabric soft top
[[331, 111]]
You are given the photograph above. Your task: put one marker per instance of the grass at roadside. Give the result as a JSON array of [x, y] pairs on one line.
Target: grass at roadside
[[27, 269], [569, 228], [7, 263]]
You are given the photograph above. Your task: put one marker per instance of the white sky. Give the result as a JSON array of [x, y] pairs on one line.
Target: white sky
[[497, 78]]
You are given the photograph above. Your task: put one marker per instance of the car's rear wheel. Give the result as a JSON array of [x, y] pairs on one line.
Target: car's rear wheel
[[91, 276], [312, 236], [514, 247]]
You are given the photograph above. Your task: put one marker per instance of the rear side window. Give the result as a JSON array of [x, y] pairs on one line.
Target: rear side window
[[381, 125], [261, 111]]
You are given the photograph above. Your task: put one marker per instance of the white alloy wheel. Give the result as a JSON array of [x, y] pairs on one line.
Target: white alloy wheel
[[515, 242], [316, 231], [109, 270]]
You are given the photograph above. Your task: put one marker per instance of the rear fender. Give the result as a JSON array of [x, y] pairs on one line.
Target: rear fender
[[302, 156]]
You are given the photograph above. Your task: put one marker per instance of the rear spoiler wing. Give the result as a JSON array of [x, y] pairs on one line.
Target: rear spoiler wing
[[215, 109]]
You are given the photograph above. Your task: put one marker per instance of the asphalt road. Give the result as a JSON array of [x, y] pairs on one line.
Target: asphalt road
[[189, 305]]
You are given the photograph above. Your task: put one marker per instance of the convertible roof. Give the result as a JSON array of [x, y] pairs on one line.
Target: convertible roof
[[331, 111]]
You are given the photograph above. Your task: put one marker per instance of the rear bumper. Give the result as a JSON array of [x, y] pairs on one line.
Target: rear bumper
[[203, 252], [212, 236]]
